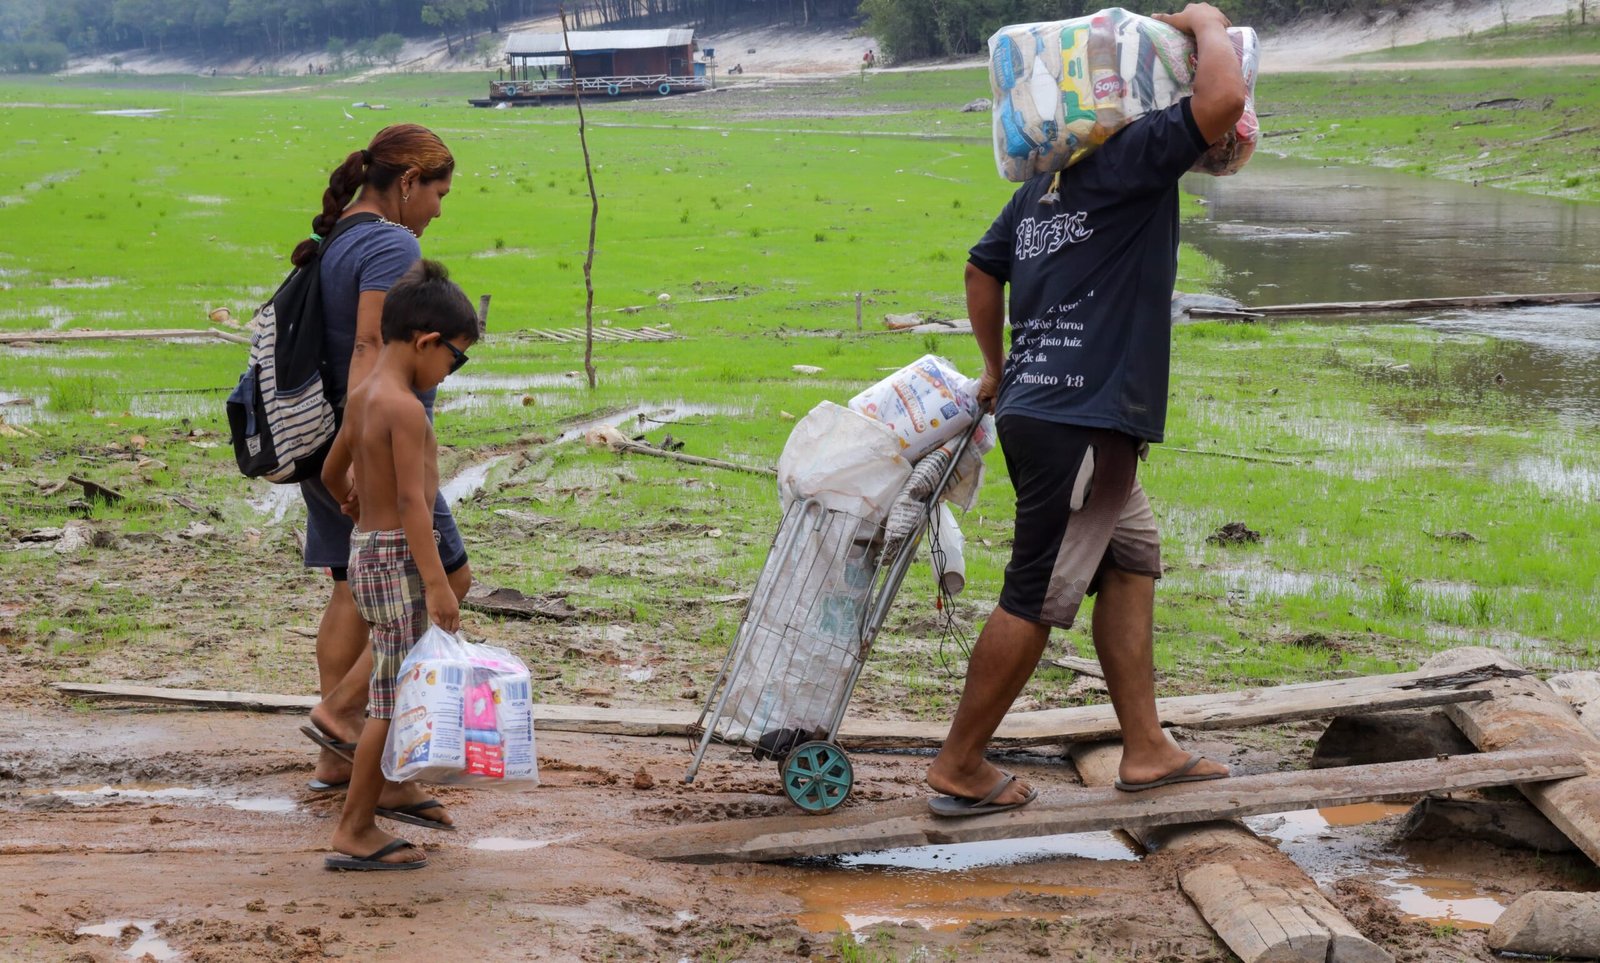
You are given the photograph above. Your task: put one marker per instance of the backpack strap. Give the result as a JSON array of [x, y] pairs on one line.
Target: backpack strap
[[344, 224]]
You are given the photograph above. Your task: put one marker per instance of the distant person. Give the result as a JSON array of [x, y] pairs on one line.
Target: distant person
[[1091, 255], [402, 176], [385, 461]]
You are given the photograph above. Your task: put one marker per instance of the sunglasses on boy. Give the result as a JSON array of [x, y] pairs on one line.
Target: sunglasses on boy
[[459, 357]]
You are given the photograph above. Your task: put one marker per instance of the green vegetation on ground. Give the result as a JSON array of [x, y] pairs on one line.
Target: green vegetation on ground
[[1405, 505]]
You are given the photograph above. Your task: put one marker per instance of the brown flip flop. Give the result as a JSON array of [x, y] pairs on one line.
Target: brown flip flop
[[1184, 773]]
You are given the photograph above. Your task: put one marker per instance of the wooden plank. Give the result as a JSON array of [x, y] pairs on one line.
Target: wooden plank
[[1079, 665], [1526, 713], [624, 720], [1046, 727], [41, 337], [1229, 710], [1078, 810], [1429, 304], [1256, 898]]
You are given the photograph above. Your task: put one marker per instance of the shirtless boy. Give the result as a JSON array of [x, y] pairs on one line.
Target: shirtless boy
[[396, 575]]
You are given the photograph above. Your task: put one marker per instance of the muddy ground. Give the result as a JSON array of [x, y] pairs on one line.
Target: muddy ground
[[195, 826], [190, 835]]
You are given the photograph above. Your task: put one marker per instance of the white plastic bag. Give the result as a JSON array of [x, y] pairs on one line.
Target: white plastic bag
[[949, 543], [463, 715], [925, 404], [844, 460]]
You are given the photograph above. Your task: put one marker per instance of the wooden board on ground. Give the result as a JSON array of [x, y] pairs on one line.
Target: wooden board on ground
[[619, 721], [131, 334], [1223, 710], [1527, 713], [1254, 896], [601, 333], [908, 822], [1047, 727], [510, 602]]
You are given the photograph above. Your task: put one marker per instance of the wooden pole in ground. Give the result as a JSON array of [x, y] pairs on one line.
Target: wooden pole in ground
[[1256, 899], [1525, 713]]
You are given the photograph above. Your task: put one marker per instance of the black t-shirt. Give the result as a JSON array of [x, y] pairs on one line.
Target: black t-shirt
[[1091, 278]]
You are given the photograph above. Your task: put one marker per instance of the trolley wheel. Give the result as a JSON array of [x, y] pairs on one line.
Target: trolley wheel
[[817, 776], [614, 89], [664, 89]]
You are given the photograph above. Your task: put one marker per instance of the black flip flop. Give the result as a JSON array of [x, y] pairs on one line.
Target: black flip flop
[[344, 750], [374, 863], [317, 785], [959, 806], [408, 814]]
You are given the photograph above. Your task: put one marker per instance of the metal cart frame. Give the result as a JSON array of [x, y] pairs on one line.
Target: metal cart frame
[[811, 540]]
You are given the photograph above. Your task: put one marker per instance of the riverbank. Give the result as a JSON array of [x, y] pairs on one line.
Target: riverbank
[[1530, 122]]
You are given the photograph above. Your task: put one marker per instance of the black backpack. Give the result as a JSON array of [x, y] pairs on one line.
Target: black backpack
[[280, 416]]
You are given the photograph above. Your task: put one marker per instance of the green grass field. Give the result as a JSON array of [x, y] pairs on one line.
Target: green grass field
[[790, 202]]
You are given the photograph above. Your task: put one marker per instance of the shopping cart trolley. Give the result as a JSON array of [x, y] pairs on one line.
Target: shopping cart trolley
[[828, 583]]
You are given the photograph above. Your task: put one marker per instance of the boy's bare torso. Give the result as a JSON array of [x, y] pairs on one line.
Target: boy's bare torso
[[375, 412]]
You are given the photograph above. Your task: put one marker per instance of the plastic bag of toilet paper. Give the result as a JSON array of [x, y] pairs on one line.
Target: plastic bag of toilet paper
[[463, 715], [844, 460], [1062, 88], [926, 404]]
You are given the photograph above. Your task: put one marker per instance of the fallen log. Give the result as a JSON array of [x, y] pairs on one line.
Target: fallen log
[[1256, 899], [635, 448], [43, 337], [1550, 925], [1229, 710], [93, 489], [1076, 810], [1415, 304], [1582, 692], [1525, 713]]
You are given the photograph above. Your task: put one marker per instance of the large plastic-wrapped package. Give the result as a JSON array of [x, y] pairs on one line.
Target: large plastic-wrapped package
[[926, 404], [463, 715], [1062, 88]]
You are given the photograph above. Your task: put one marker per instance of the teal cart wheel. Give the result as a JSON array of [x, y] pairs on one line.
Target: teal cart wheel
[[817, 776]]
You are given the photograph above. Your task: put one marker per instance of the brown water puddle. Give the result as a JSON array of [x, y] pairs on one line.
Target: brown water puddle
[[1313, 839], [850, 900]]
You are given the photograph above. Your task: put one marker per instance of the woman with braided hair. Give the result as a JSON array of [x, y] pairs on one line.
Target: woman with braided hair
[[394, 188]]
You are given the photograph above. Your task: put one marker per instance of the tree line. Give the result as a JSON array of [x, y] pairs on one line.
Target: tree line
[[914, 29]]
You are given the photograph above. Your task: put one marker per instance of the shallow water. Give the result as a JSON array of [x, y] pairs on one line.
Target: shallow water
[[146, 946], [1292, 232]]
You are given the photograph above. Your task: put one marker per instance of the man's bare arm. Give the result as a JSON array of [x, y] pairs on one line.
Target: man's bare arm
[[986, 308], [1219, 89]]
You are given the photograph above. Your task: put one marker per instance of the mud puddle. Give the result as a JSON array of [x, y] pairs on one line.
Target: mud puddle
[[103, 795], [841, 900], [945, 888], [147, 945], [1338, 842]]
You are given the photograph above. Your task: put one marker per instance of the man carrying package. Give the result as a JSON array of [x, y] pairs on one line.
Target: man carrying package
[[1091, 258]]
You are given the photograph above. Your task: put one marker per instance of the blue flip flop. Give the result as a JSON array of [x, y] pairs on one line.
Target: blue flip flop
[[1183, 773], [317, 785]]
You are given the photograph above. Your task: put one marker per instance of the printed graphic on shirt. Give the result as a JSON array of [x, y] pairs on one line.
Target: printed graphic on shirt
[[1036, 238], [1046, 350]]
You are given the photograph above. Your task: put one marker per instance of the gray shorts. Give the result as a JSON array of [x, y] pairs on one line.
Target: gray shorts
[[328, 532]]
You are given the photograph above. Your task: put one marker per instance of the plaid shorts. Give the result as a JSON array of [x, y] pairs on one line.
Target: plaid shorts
[[388, 591]]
